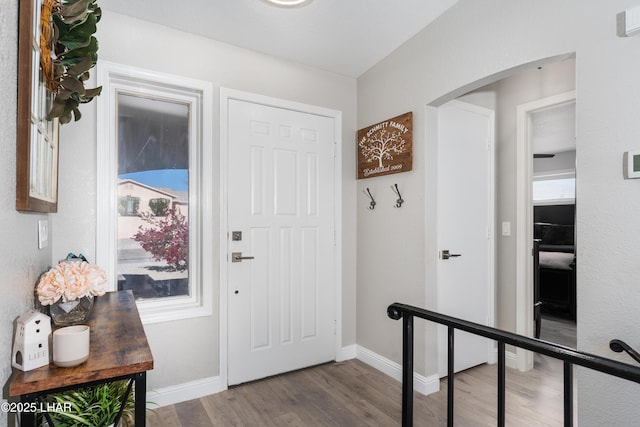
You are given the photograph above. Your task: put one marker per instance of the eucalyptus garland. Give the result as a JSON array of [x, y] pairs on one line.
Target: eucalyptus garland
[[69, 50]]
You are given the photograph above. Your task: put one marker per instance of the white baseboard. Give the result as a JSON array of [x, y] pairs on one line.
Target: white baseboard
[[422, 384], [510, 359], [186, 391], [196, 389], [347, 353]]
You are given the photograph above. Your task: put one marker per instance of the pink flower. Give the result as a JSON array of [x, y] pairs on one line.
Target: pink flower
[[76, 283], [96, 277], [50, 287], [71, 280]]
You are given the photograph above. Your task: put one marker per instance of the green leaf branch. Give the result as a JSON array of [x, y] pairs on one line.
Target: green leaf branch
[[74, 51]]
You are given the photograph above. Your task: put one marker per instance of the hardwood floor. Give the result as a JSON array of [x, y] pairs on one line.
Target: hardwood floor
[[558, 330], [352, 393]]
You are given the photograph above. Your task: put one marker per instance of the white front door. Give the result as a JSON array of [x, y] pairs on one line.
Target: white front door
[[465, 218], [281, 198]]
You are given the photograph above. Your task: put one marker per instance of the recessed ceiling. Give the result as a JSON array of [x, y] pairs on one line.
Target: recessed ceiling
[[343, 36]]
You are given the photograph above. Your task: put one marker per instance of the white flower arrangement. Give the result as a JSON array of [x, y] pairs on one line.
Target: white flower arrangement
[[71, 280]]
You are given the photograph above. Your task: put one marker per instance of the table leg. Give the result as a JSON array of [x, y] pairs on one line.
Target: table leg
[[141, 399], [27, 418]]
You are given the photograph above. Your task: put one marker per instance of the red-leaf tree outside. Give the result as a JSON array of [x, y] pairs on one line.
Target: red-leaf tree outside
[[166, 238]]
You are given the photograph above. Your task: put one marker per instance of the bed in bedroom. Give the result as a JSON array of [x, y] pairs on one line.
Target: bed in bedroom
[[555, 260]]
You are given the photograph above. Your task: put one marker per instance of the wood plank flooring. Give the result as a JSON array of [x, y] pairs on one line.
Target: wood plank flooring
[[352, 393], [558, 330]]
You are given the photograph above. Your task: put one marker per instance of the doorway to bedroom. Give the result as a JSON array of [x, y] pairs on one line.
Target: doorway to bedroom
[[546, 207], [553, 142]]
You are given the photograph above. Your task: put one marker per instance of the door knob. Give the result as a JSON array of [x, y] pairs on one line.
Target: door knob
[[237, 257], [445, 254]]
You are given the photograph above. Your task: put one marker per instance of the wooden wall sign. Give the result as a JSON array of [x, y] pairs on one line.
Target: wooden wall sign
[[386, 147]]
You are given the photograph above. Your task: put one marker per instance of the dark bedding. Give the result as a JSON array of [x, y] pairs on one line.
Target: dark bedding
[[555, 235]]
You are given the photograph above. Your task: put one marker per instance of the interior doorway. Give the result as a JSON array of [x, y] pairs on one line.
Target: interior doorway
[[524, 86], [552, 140]]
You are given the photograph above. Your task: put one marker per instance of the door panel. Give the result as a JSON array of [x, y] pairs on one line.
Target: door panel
[[281, 302], [465, 217]]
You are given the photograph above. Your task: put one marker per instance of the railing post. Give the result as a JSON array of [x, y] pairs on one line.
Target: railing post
[[568, 394], [407, 370], [450, 375], [501, 384]]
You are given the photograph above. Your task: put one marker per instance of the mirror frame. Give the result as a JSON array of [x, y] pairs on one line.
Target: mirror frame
[[30, 122]]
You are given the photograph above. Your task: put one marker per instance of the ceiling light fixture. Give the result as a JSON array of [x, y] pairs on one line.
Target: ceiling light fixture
[[288, 3]]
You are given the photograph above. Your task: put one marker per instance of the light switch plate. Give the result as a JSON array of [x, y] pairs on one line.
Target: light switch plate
[[506, 228], [43, 234]]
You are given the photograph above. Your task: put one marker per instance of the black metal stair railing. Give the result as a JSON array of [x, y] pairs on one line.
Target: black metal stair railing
[[568, 355], [619, 346]]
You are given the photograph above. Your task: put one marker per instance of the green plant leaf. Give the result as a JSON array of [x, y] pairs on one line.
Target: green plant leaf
[[88, 22], [75, 53], [89, 94], [79, 69], [73, 84], [71, 44], [95, 406], [81, 52], [97, 11], [65, 118], [60, 26], [57, 108], [58, 70], [79, 35], [64, 94], [72, 11]]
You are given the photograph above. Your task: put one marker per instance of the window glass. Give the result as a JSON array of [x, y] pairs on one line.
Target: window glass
[[152, 196], [554, 190]]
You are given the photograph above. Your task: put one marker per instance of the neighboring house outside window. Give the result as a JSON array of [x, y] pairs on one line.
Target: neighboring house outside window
[[137, 269]]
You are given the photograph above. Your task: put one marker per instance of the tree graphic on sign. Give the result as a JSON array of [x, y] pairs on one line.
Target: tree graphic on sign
[[382, 145]]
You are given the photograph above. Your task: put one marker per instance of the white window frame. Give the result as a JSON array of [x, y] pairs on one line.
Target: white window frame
[[117, 78]]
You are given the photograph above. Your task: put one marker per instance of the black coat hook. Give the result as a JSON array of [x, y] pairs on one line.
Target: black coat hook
[[400, 200], [372, 204]]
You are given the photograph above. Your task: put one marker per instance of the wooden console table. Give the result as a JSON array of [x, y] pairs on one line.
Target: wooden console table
[[119, 350]]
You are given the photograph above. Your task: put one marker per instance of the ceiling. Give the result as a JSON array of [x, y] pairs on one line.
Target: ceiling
[[342, 36], [553, 130]]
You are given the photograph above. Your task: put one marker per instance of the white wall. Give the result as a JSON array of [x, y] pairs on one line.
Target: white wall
[[473, 44], [142, 44], [21, 262], [521, 88]]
